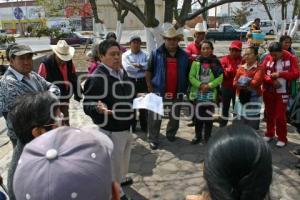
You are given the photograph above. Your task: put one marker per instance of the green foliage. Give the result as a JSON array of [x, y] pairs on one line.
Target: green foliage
[[53, 8], [7, 39], [29, 29], [45, 31], [240, 15]]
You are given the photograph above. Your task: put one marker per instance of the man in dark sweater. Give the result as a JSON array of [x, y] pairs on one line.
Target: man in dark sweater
[[59, 69], [108, 96]]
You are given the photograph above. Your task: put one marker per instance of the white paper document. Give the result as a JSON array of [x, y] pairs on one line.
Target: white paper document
[[150, 102]]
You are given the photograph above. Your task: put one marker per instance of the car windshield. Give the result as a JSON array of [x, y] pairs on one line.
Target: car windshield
[[78, 34]]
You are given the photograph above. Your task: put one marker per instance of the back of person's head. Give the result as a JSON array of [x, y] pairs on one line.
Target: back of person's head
[[275, 47], [254, 49], [106, 44], [111, 35], [93, 53], [238, 164], [33, 110], [65, 163]]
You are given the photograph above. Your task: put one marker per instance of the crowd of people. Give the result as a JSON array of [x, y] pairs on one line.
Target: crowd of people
[[53, 161]]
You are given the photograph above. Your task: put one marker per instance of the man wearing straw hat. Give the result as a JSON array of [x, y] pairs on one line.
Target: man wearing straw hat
[[167, 76], [59, 69]]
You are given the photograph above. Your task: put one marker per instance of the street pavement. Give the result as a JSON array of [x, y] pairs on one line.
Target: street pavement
[[176, 169]]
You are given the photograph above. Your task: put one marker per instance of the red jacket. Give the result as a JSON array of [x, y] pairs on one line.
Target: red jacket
[[193, 50], [230, 67], [257, 75], [290, 71]]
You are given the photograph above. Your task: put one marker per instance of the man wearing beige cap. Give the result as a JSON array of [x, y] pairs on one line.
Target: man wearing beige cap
[[167, 76], [19, 79], [59, 69]]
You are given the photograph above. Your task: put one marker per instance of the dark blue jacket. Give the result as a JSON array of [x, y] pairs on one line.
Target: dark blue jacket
[[158, 63]]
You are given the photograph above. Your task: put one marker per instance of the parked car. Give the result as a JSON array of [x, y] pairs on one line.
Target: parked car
[[2, 32], [225, 32], [265, 26], [71, 38]]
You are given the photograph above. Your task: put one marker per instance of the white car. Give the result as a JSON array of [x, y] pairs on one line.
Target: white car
[[265, 26]]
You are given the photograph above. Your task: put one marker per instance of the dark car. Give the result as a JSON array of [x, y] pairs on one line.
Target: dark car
[[226, 32], [71, 38]]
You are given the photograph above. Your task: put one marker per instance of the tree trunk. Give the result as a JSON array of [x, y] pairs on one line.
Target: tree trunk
[[169, 7], [296, 9], [149, 11], [153, 38], [95, 11], [295, 27], [290, 27], [186, 7], [282, 11], [119, 31], [264, 3]]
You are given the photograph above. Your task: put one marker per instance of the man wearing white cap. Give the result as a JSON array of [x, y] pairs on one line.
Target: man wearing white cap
[[59, 69], [193, 49], [134, 62]]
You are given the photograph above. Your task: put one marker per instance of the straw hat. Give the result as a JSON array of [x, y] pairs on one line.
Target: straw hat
[[200, 27], [172, 33], [63, 50]]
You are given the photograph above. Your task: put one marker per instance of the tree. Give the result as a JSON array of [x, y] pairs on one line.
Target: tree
[[121, 14], [147, 17], [240, 15]]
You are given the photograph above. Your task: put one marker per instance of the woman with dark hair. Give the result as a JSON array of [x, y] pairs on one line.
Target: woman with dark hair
[[248, 81], [238, 165], [286, 44], [32, 115], [205, 76], [112, 36]]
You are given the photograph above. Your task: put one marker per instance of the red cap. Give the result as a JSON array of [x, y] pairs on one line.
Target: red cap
[[236, 44]]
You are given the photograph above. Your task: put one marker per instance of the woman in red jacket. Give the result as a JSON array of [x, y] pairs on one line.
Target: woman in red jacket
[[280, 68], [248, 81]]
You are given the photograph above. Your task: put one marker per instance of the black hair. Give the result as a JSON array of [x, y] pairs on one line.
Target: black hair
[[207, 42], [257, 19], [275, 47], [30, 111], [7, 51], [106, 44], [111, 35], [238, 164], [284, 37], [254, 49]]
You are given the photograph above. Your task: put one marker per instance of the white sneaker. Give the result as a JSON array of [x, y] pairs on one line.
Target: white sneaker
[[267, 139], [280, 144]]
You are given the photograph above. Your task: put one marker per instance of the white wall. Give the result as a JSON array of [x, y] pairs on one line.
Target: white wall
[[30, 12]]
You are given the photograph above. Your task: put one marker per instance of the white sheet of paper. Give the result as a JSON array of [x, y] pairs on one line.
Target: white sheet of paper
[[150, 102]]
